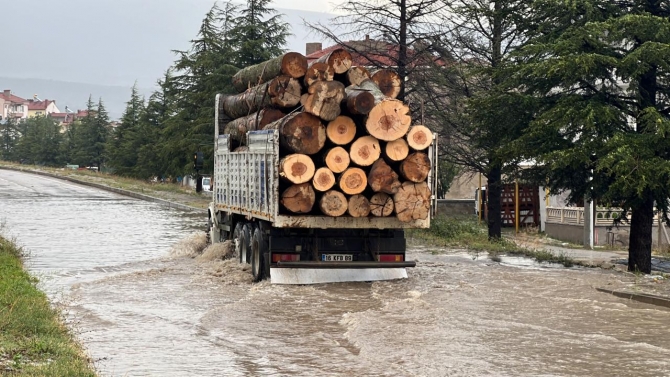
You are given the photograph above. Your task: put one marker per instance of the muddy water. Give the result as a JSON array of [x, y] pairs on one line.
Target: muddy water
[[145, 306]]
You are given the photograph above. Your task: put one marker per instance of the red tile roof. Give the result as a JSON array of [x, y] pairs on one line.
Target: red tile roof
[[39, 105], [377, 53], [12, 98]]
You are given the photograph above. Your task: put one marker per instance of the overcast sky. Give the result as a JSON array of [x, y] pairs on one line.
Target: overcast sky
[[115, 42]]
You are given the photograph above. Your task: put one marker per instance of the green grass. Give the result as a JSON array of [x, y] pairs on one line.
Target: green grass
[[33, 339], [467, 233]]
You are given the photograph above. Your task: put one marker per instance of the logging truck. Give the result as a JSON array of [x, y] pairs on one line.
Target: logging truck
[[315, 181]]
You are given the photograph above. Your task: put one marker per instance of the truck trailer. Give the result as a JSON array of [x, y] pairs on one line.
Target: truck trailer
[[292, 248]]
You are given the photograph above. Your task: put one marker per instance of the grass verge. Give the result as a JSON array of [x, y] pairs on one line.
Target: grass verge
[[461, 232], [33, 339]]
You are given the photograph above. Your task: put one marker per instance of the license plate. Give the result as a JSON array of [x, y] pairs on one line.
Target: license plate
[[337, 258]]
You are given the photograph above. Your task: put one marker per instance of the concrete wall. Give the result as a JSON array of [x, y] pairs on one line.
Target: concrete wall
[[448, 207], [617, 235], [464, 186]]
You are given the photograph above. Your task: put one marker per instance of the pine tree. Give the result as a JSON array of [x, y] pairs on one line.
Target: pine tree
[[259, 33], [602, 128], [91, 136], [9, 135], [123, 144]]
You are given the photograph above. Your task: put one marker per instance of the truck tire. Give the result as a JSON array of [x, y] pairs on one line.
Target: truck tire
[[238, 242], [259, 252], [247, 233]]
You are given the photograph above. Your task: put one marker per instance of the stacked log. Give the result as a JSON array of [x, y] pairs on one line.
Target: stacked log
[[347, 146]]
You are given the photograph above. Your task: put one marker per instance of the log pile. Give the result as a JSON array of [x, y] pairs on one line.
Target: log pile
[[347, 146]]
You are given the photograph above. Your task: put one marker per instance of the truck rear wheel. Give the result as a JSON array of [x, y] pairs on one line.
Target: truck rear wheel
[[259, 251], [238, 242]]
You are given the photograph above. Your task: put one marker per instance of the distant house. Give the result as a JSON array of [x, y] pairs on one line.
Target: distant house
[[38, 107], [12, 106]]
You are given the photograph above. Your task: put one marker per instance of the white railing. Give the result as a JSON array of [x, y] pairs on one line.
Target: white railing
[[575, 216]]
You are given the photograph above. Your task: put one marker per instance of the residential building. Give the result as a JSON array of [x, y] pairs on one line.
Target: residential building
[[38, 107], [12, 106]]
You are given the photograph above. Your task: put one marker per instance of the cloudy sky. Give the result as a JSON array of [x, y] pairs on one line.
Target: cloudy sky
[[115, 42]]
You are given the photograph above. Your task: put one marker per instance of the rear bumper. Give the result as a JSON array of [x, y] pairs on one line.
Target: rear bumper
[[344, 265], [306, 275]]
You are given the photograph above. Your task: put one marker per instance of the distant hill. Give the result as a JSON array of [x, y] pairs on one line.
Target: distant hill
[[68, 49]]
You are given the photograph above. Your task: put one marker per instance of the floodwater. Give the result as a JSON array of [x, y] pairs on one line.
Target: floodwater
[[145, 303]]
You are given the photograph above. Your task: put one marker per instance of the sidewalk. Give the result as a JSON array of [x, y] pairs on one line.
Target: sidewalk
[[651, 289]]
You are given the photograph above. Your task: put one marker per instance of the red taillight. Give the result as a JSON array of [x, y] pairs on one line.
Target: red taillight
[[391, 258], [285, 257]]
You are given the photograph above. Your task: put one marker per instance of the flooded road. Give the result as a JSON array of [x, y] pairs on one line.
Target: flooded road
[[144, 306]]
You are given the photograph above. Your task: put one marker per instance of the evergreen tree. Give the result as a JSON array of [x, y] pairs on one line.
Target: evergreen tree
[[601, 131], [200, 73], [40, 144], [123, 144], [259, 32], [9, 135], [91, 136]]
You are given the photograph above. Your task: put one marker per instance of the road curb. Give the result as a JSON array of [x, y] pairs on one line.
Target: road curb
[[640, 297], [123, 192]]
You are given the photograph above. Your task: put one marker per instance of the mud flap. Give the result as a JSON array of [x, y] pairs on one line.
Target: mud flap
[[285, 275]]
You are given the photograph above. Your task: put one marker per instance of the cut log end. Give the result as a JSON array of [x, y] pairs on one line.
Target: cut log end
[[388, 120], [359, 206], [365, 151], [284, 91], [358, 102], [339, 59], [412, 201], [299, 198], [296, 168], [324, 99], [300, 133], [324, 179], [419, 137], [388, 81], [337, 159], [294, 64], [382, 178], [341, 130], [381, 205], [415, 167], [333, 203], [353, 181], [355, 75], [397, 150], [318, 72]]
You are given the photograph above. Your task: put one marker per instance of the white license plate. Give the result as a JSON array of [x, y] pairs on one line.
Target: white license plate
[[337, 258]]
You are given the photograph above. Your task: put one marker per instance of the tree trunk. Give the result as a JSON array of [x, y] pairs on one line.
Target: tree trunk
[[291, 64], [353, 181], [419, 137], [358, 101], [397, 150], [333, 203], [389, 120], [337, 159], [639, 248], [286, 90], [493, 192], [324, 179], [355, 75], [296, 168], [238, 128], [339, 59], [381, 205], [300, 133], [359, 206], [341, 130], [412, 201], [299, 198], [388, 81], [318, 72], [382, 178], [365, 150], [324, 99], [415, 167]]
